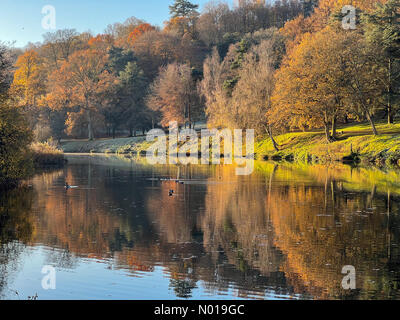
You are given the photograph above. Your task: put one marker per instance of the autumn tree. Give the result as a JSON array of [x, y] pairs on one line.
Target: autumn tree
[[156, 49], [82, 82], [212, 90], [317, 14], [222, 75], [226, 94], [101, 44], [383, 32], [325, 76], [183, 18], [5, 70], [56, 48], [294, 30], [139, 31], [363, 86], [218, 21], [59, 45], [304, 96], [213, 23], [326, 8], [29, 83], [182, 26], [174, 94], [121, 31], [251, 98], [15, 135], [29, 86]]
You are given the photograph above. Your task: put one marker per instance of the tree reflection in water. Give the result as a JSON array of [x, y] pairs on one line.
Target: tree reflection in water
[[285, 231], [16, 229]]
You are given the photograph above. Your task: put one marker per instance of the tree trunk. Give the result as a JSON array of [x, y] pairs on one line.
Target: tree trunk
[[334, 122], [89, 118], [90, 126], [269, 131], [390, 114], [327, 133], [113, 133], [389, 102], [371, 121]]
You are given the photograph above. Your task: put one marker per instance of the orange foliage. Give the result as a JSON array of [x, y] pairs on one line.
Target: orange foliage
[[181, 25], [101, 43], [326, 7], [295, 29], [139, 31], [28, 84], [82, 81]]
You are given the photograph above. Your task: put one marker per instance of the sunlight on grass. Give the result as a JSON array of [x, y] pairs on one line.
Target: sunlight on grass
[[311, 146]]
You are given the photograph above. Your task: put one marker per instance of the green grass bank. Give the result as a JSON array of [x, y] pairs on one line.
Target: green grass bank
[[355, 143]]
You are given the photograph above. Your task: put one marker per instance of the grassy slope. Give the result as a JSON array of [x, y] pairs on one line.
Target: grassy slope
[[302, 146], [359, 138]]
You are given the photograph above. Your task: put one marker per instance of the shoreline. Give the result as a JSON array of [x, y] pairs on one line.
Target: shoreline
[[355, 144]]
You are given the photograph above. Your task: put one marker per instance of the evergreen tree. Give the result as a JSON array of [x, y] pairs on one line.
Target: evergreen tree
[[133, 88], [119, 58], [182, 9]]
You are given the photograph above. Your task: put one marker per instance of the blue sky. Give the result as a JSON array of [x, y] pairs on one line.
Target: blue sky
[[21, 20]]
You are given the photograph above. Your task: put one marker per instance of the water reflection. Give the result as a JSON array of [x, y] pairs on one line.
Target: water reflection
[[16, 229], [284, 232]]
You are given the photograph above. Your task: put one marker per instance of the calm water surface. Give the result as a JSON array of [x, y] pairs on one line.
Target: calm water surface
[[285, 232]]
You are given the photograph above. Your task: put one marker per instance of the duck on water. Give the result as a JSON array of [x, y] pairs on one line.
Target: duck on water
[[67, 186]]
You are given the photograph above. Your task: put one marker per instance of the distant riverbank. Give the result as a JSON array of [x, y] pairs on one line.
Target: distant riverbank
[[354, 143], [119, 145]]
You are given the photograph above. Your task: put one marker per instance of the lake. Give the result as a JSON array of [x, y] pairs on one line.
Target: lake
[[284, 232]]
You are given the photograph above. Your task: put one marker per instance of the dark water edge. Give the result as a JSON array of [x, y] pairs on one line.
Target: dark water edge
[[285, 232]]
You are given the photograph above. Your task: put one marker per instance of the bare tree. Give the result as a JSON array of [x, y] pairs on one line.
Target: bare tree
[[174, 94], [59, 45]]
